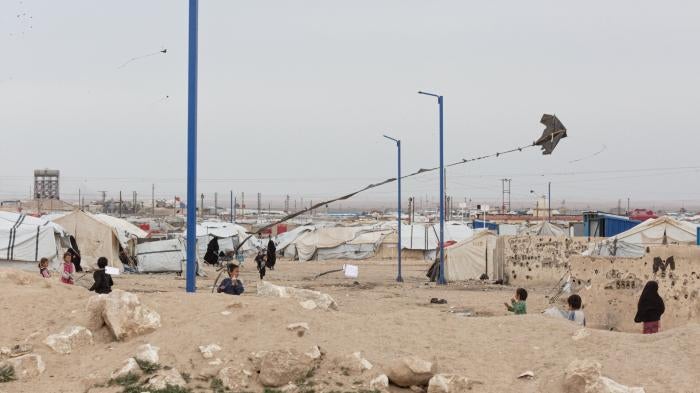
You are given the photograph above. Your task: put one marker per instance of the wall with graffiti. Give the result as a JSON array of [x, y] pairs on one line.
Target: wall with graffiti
[[537, 260], [610, 287]]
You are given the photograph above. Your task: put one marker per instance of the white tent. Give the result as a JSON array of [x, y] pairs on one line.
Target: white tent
[[425, 236], [338, 243], [162, 256], [28, 239], [662, 230], [471, 258], [228, 236], [545, 228]]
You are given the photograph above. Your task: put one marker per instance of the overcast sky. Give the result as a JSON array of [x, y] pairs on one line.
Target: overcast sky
[[295, 96]]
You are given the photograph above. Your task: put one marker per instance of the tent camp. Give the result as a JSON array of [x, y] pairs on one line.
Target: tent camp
[[101, 236], [471, 259], [28, 239]]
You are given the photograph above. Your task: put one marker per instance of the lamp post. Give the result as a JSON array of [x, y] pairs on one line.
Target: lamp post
[[441, 276], [398, 214], [191, 285]]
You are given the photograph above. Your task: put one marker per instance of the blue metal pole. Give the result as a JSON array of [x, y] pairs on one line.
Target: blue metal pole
[[398, 145], [191, 285], [441, 279]]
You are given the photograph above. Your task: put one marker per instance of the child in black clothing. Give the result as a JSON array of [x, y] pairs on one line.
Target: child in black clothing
[[103, 281]]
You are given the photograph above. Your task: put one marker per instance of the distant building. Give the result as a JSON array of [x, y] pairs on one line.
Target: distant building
[[46, 185]]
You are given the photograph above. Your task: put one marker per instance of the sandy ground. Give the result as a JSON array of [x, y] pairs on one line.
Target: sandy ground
[[377, 316]]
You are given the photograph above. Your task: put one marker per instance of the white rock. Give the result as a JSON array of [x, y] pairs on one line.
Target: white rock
[[164, 378], [128, 367], [380, 383], [353, 364], [448, 383], [5, 351], [583, 376], [315, 353], [322, 300], [298, 326], [147, 353], [611, 386], [123, 314], [410, 371], [281, 367], [527, 375], [308, 305], [225, 313], [208, 350], [581, 334], [71, 338], [234, 379], [26, 366], [216, 362]]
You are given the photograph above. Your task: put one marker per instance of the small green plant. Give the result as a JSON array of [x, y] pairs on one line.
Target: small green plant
[[217, 386], [125, 380], [170, 389], [268, 390], [148, 367], [7, 373], [186, 376]]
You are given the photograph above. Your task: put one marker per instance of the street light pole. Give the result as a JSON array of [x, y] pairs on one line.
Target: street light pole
[[191, 285], [398, 214], [441, 276], [549, 200]]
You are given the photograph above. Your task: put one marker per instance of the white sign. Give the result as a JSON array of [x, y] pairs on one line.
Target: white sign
[[484, 208], [351, 271], [112, 271]]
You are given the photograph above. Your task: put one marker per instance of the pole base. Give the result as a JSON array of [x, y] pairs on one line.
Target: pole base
[[399, 279]]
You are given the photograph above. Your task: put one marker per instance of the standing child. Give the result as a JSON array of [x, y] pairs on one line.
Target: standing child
[[68, 269], [517, 304], [260, 261], [650, 308], [44, 268], [575, 313], [103, 281]]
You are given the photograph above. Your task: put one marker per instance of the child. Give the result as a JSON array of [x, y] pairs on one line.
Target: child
[[650, 308], [103, 281], [575, 313], [68, 269], [44, 268], [517, 304], [231, 285]]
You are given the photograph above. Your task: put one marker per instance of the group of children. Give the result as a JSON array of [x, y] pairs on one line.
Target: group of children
[[649, 308], [103, 281]]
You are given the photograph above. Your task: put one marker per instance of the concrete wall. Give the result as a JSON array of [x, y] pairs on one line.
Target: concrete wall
[[537, 260], [610, 287]]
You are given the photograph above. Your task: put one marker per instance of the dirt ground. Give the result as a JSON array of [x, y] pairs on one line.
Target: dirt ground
[[471, 335]]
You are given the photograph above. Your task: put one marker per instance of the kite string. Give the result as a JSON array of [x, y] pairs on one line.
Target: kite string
[[348, 196]]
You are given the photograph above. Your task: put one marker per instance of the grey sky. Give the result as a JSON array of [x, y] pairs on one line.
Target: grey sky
[[294, 96]]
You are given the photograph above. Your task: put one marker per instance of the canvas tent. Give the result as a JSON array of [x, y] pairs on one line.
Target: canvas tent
[[101, 236], [162, 256], [227, 236], [545, 228], [662, 230], [654, 231], [359, 242], [472, 258], [28, 239]]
